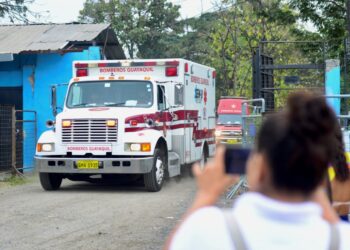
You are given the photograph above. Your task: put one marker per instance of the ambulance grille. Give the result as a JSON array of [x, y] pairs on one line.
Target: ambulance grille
[[89, 131], [232, 133]]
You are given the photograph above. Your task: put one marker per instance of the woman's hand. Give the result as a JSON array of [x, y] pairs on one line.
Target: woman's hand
[[212, 181]]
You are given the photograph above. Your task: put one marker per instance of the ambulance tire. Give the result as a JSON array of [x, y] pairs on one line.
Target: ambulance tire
[[155, 179], [50, 181]]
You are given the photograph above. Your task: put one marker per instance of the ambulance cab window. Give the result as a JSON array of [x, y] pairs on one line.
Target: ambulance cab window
[[161, 98], [138, 94], [75, 98], [179, 95]]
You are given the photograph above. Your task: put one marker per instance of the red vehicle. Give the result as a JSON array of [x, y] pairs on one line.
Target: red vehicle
[[229, 120]]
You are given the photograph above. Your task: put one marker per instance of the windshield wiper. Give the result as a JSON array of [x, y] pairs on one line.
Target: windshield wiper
[[81, 105], [114, 104]]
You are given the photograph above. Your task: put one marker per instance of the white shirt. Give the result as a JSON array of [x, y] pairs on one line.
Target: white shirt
[[265, 224]]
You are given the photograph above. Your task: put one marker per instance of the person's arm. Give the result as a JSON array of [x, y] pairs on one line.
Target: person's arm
[[212, 181]]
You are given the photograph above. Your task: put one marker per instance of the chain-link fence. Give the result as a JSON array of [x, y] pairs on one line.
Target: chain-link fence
[[7, 141], [17, 139]]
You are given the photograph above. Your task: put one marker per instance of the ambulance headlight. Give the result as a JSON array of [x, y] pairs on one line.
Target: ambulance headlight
[[135, 147], [217, 133], [138, 147], [45, 147]]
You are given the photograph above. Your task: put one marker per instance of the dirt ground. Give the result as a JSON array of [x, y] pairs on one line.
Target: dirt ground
[[90, 216]]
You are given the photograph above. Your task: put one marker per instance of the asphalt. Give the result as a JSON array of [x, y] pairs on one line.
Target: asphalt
[[91, 216]]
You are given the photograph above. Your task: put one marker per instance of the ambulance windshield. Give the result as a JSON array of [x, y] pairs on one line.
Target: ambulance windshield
[[110, 94], [229, 120]]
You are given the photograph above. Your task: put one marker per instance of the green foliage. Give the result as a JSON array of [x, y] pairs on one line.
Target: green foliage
[[145, 28], [329, 17], [15, 10], [329, 21], [238, 31], [226, 38], [14, 180]]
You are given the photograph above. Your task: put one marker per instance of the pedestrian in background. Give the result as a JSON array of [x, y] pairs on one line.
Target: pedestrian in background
[[339, 179], [285, 174]]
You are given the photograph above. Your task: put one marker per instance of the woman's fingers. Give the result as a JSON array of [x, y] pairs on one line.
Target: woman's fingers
[[196, 170], [219, 157]]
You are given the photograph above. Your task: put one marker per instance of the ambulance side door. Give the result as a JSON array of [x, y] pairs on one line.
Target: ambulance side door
[[188, 131], [165, 120]]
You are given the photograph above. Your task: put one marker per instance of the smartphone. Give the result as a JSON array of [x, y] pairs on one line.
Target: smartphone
[[236, 158]]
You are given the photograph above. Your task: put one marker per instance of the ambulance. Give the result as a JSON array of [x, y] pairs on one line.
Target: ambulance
[[229, 120], [146, 118]]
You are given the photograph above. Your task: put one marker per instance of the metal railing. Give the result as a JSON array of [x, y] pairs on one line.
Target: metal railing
[[7, 143], [252, 112], [18, 132], [26, 137]]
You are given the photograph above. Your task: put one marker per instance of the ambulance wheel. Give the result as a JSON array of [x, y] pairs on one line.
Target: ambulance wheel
[[50, 181], [154, 179]]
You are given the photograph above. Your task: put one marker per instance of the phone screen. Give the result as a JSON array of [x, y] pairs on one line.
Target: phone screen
[[236, 158]]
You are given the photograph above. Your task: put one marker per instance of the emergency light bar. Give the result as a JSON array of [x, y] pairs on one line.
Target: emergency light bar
[[82, 68], [125, 64]]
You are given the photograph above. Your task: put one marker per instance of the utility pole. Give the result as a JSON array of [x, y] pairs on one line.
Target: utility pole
[[348, 17]]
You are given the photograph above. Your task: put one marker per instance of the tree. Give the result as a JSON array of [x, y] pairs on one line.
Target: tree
[[239, 29], [15, 10], [143, 27], [329, 17]]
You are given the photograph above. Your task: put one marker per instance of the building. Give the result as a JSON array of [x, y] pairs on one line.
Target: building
[[32, 59]]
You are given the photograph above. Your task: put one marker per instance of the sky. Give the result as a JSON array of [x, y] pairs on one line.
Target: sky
[[65, 11]]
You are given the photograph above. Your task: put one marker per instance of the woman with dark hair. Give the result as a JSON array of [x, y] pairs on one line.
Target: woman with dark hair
[[339, 179], [285, 174]]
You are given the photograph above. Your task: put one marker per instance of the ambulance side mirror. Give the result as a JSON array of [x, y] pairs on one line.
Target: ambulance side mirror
[[54, 100], [179, 85]]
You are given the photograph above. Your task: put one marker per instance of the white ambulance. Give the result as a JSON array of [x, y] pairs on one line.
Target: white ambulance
[[140, 117]]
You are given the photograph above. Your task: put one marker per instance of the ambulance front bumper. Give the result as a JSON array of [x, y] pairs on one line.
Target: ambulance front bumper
[[228, 140], [106, 165]]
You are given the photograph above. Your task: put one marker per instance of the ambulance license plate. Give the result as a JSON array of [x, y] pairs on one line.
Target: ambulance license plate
[[87, 164], [232, 141]]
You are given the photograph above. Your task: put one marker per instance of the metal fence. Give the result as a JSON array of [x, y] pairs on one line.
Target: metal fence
[[17, 139], [341, 101], [251, 121], [6, 139], [26, 131], [277, 72]]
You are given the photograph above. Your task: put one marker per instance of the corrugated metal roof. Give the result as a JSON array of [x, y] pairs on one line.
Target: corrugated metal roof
[[24, 38]]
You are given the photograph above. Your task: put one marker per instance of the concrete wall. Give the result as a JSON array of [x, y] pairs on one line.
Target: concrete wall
[[36, 74]]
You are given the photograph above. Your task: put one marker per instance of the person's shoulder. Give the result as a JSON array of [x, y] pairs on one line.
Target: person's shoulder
[[344, 229], [344, 226], [202, 230], [203, 219], [207, 212]]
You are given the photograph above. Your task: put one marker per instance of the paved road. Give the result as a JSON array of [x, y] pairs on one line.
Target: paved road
[[90, 216]]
